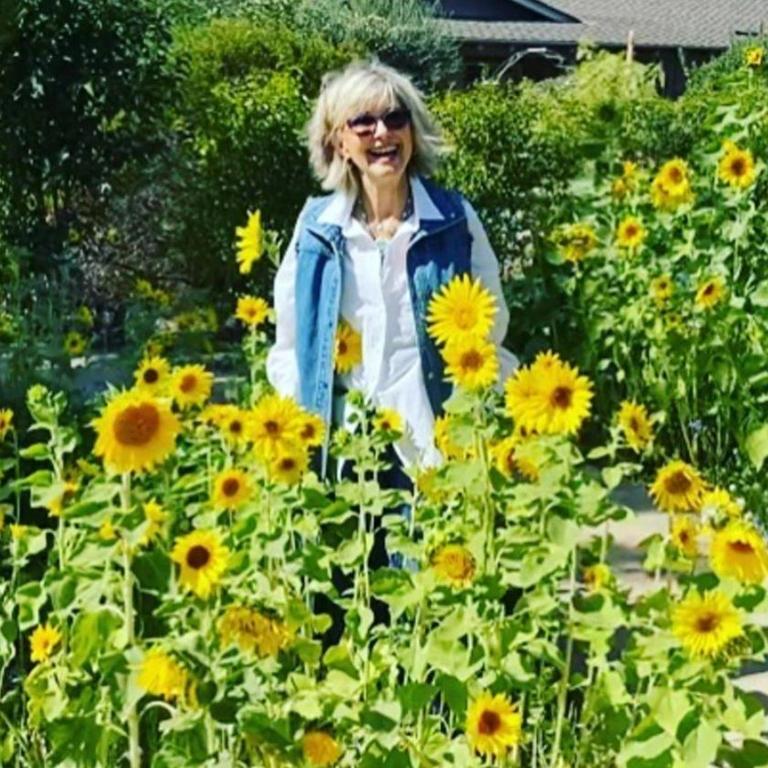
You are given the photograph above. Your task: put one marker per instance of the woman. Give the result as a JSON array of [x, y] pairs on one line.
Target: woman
[[368, 257]]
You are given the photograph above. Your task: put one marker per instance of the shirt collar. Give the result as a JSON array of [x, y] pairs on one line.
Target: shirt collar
[[339, 209]]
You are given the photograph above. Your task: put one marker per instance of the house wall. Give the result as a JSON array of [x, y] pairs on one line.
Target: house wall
[[488, 10]]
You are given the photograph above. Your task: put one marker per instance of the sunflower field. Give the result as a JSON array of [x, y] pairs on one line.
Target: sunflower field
[[182, 582]]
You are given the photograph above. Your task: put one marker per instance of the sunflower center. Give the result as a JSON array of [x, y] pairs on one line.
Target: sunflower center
[[198, 556], [271, 427], [675, 175], [343, 347], [308, 432], [678, 483], [489, 723], [188, 383], [741, 547], [137, 424], [287, 464], [465, 317], [230, 486], [151, 376], [633, 424], [737, 166], [630, 231], [236, 427], [709, 290], [472, 360], [561, 397], [707, 622]]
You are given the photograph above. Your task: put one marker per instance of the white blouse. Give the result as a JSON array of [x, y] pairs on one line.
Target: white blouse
[[376, 302]]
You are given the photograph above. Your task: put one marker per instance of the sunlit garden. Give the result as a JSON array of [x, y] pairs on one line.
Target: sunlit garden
[[183, 585]]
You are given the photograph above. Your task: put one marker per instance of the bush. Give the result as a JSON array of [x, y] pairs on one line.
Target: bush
[[81, 84]]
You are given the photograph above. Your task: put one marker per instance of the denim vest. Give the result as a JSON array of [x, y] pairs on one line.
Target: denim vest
[[439, 250]]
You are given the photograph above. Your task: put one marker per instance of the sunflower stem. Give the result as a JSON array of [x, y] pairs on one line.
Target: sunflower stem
[[134, 748]]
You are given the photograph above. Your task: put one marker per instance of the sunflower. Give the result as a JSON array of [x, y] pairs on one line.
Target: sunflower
[[739, 551], [191, 385], [155, 517], [388, 420], [678, 487], [630, 233], [754, 56], [549, 399], [252, 311], [153, 375], [472, 363], [719, 500], [596, 577], [661, 289], [231, 489], [454, 564], [289, 465], [348, 350], [203, 560], [107, 531], [494, 724], [710, 292], [737, 166], [6, 422], [575, 241], [504, 455], [311, 429], [672, 185], [274, 424], [135, 432], [320, 748], [706, 624], [635, 424], [233, 425], [461, 308], [445, 442], [685, 535], [161, 675], [253, 631], [43, 642], [55, 504], [250, 242], [74, 344]]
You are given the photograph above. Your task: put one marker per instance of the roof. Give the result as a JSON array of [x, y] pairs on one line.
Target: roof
[[656, 23]]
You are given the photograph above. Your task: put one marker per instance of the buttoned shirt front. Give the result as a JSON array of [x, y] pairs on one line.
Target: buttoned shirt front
[[375, 301]]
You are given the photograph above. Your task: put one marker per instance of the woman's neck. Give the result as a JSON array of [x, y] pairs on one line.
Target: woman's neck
[[384, 201]]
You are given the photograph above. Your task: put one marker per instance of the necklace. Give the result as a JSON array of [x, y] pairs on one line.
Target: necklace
[[374, 229]]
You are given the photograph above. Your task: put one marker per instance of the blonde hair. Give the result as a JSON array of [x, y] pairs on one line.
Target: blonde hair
[[361, 86]]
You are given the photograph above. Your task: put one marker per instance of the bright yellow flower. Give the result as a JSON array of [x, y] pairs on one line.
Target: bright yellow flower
[[43, 642], [754, 56], [635, 424], [710, 292], [661, 289], [320, 748], [289, 465], [388, 420], [153, 375], [191, 385], [505, 455], [161, 675], [705, 624], [250, 242], [685, 535], [231, 489], [739, 551], [630, 233], [348, 351], [135, 432], [737, 167], [472, 363], [575, 241], [494, 724], [6, 422], [311, 429], [596, 577], [74, 344], [155, 516], [56, 504], [275, 424], [672, 186], [445, 443], [719, 500], [678, 487], [253, 631], [232, 423], [252, 311], [203, 560], [107, 531], [551, 397], [459, 309], [454, 564]]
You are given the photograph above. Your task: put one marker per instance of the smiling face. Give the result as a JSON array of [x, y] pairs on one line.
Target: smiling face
[[381, 156]]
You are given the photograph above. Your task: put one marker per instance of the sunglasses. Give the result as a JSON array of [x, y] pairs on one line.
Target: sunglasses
[[365, 123]]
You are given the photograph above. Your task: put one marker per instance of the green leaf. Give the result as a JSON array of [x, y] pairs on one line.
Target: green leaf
[[415, 696], [90, 634], [756, 446], [701, 745], [454, 694]]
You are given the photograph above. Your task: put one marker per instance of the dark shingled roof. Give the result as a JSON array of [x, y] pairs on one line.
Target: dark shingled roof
[[656, 23]]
